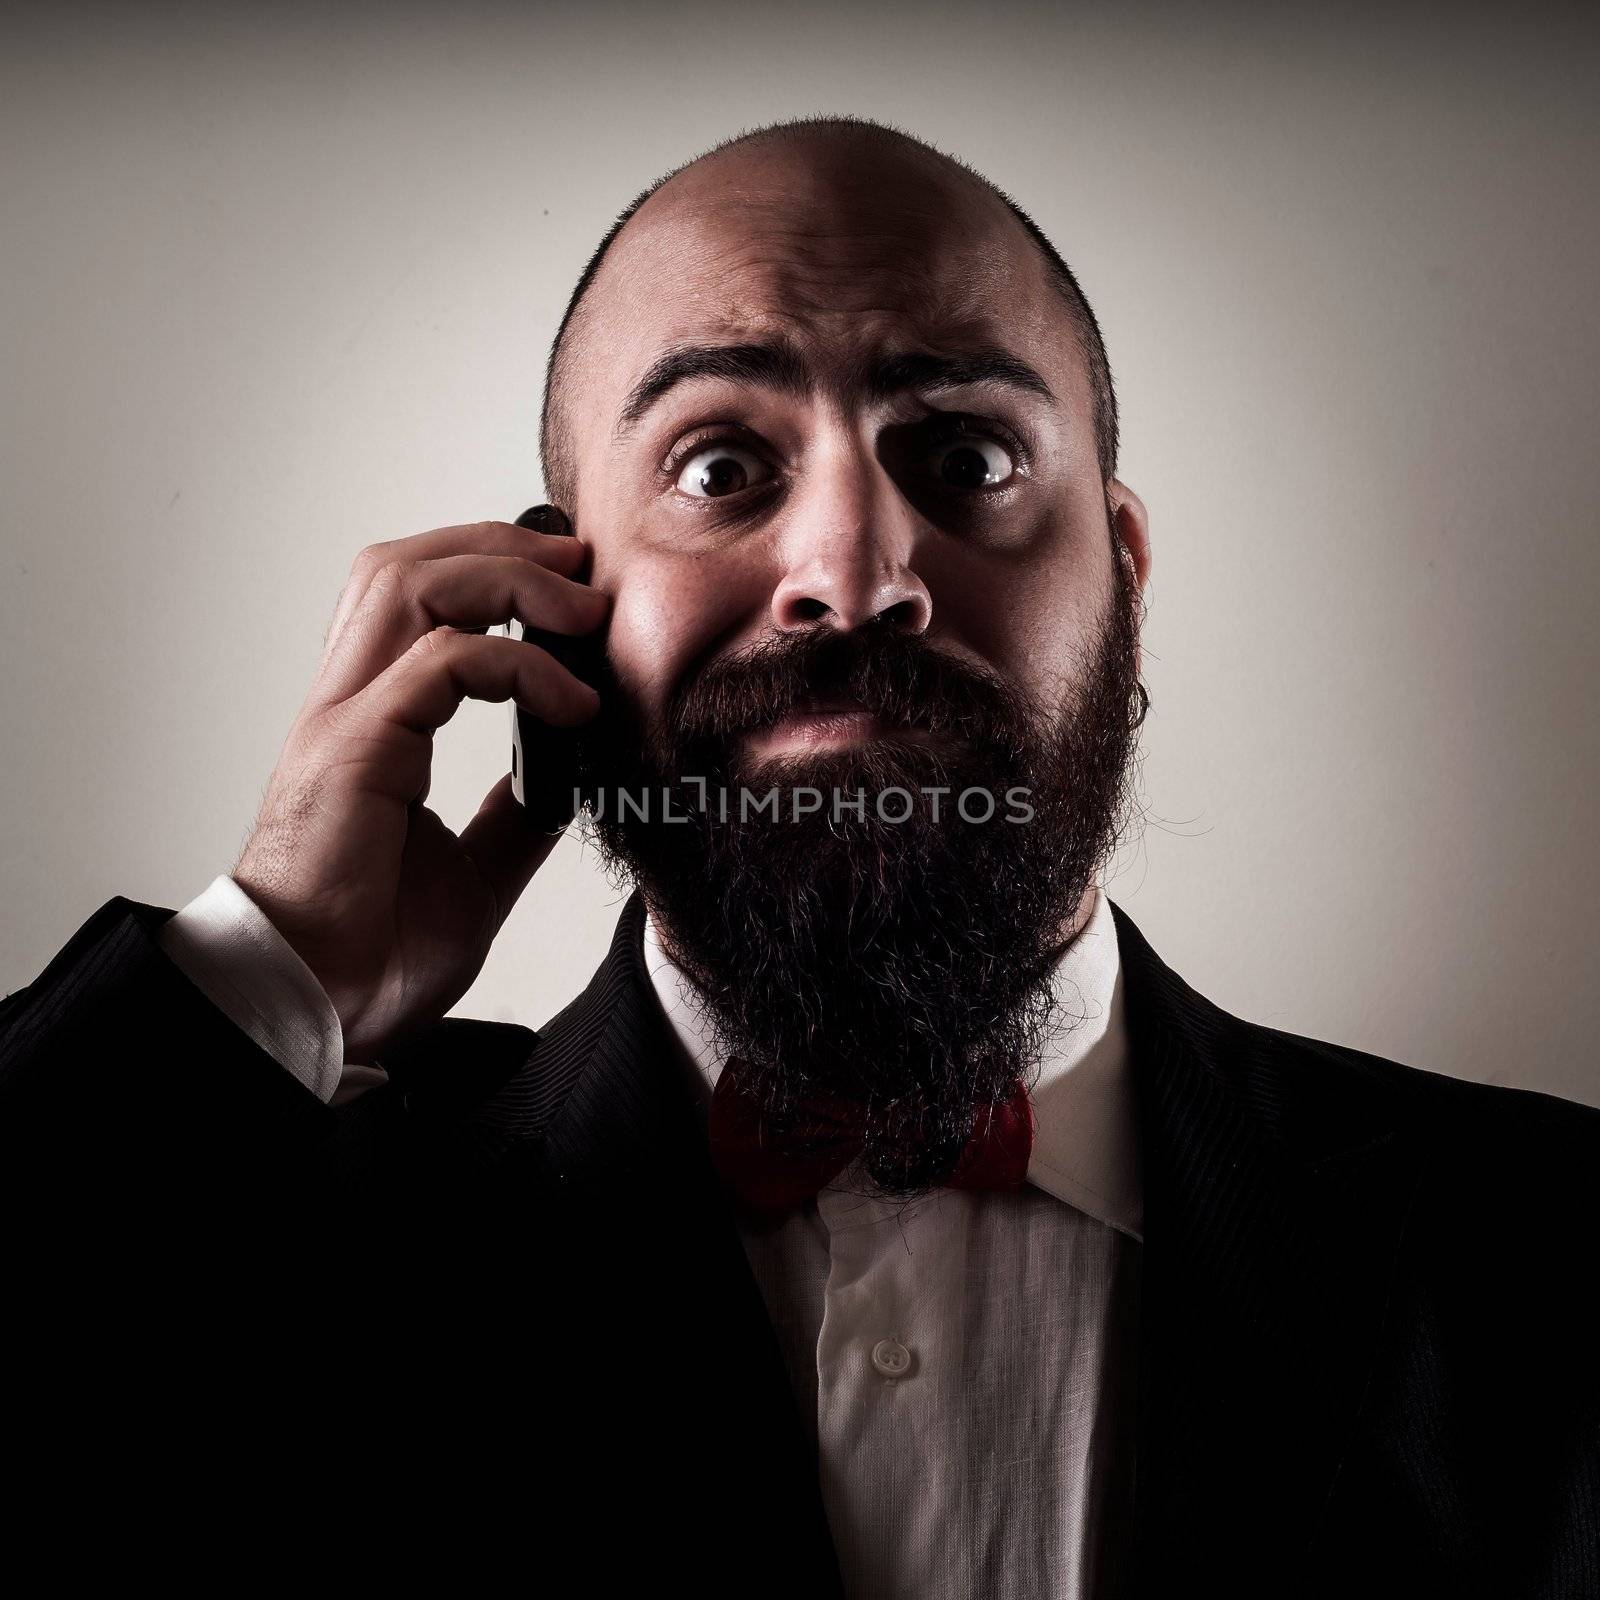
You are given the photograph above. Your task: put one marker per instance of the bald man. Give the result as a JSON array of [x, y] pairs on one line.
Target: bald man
[[885, 1218]]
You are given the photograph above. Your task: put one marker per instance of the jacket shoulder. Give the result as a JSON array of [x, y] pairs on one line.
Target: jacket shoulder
[[1471, 1114], [1315, 1093], [1504, 1177], [1501, 1196]]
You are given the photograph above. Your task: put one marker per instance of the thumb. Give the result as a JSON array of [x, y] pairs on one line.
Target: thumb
[[504, 846]]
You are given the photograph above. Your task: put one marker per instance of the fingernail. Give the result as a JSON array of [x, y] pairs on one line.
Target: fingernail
[[544, 519]]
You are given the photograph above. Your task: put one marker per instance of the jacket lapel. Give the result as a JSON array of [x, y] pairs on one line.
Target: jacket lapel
[[600, 1122], [1275, 1201]]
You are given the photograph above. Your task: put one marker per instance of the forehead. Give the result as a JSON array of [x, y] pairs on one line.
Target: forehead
[[844, 257]]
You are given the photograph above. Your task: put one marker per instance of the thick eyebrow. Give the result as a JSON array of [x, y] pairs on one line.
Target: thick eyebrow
[[779, 366], [917, 369]]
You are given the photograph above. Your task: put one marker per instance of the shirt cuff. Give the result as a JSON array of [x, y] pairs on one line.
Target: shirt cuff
[[225, 945]]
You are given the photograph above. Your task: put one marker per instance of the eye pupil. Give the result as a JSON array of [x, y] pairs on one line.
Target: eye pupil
[[965, 468], [723, 476]]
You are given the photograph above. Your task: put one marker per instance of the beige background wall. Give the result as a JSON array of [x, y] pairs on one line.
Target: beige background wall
[[279, 281]]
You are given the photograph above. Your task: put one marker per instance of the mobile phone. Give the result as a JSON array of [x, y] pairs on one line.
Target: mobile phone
[[544, 765]]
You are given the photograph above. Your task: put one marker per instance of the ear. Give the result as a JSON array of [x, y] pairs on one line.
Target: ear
[[1131, 523]]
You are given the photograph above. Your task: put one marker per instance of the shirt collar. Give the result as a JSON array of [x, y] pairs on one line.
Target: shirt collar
[[1085, 1144]]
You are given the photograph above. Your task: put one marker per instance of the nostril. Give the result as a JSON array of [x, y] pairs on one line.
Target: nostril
[[809, 610], [902, 614]]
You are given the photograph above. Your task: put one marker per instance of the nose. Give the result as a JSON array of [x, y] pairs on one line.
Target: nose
[[848, 547]]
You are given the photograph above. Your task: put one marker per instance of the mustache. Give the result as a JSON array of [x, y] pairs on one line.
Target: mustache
[[896, 676]]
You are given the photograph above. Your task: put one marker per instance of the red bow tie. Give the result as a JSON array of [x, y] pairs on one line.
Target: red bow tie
[[827, 1136]]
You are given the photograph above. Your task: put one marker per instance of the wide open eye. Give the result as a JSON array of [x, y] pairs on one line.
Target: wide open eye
[[970, 461], [719, 470]]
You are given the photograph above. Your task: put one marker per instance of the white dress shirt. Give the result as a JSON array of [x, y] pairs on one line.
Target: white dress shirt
[[963, 1363], [225, 945]]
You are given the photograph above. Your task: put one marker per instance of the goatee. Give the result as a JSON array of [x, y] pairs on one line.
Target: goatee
[[889, 937]]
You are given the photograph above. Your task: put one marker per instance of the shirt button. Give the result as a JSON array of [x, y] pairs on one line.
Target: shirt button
[[891, 1358]]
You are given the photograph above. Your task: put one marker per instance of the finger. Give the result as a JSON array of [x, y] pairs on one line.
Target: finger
[[423, 689], [505, 849], [406, 601], [563, 553]]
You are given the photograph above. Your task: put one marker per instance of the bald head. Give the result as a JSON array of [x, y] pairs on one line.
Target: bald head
[[809, 189]]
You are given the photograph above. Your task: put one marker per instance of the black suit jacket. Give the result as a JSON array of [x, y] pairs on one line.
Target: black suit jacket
[[498, 1309]]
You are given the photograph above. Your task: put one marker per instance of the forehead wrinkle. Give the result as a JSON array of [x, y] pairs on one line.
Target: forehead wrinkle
[[948, 317], [868, 371], [842, 291], [806, 273], [754, 256]]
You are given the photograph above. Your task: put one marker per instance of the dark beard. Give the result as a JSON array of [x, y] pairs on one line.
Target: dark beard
[[904, 966]]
